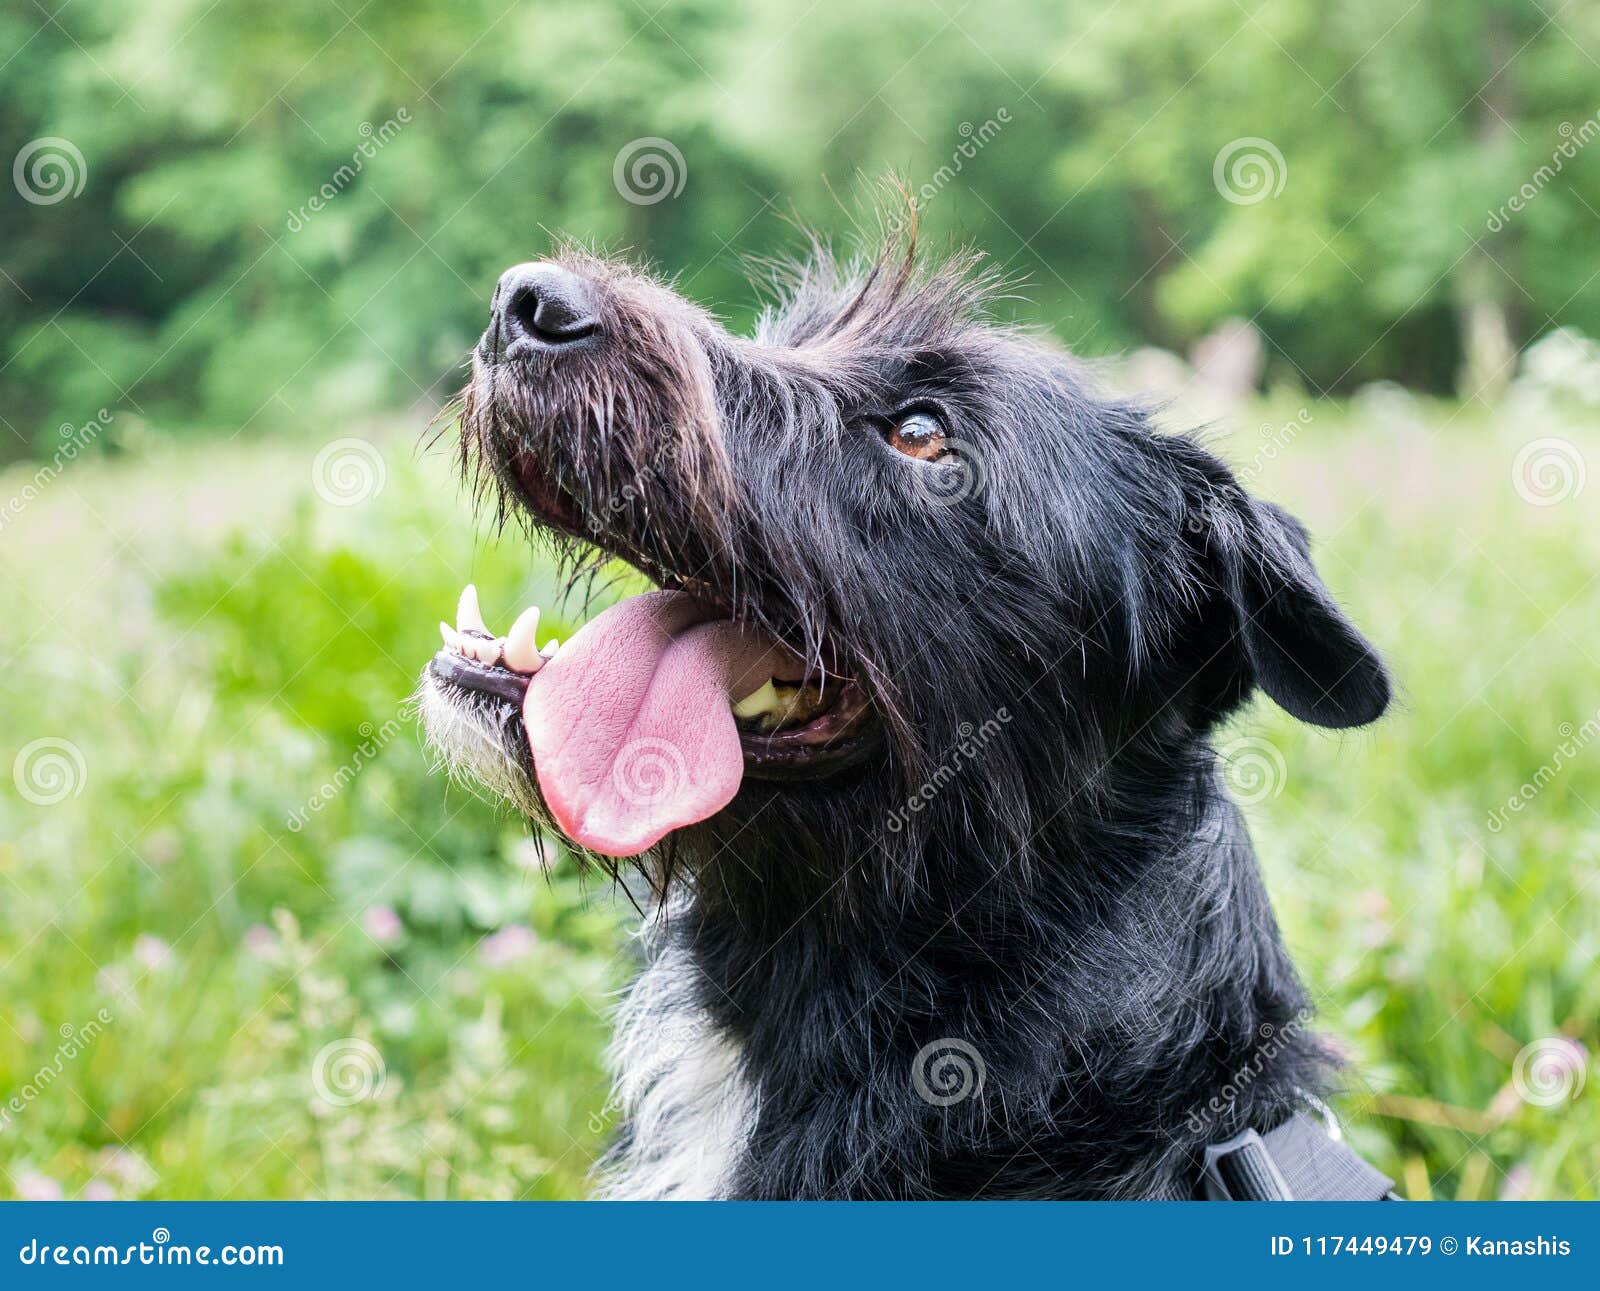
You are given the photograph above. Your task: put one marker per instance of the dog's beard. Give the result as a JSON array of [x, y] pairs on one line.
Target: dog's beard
[[478, 742]]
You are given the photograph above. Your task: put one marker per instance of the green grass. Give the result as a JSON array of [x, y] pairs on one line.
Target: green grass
[[219, 648]]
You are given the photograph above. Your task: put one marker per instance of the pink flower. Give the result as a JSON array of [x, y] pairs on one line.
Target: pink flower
[[511, 943], [160, 846], [260, 940], [98, 1190], [151, 951], [126, 1167], [37, 1187], [1518, 1183], [382, 924]]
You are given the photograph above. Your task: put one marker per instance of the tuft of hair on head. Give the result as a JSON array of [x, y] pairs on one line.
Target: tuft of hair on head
[[887, 288]]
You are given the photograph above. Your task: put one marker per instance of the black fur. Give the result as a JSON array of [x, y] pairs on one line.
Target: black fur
[[1041, 861]]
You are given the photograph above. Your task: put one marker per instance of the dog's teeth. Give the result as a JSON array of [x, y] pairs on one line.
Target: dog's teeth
[[483, 651], [551, 646], [522, 651], [469, 618], [451, 637], [757, 702]]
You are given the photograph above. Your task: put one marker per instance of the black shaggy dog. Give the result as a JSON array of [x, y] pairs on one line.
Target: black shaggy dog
[[912, 744]]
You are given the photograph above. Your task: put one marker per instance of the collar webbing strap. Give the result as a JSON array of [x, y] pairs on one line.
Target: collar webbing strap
[[1297, 1161]]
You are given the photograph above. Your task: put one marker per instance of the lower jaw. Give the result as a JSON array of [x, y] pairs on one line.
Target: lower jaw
[[843, 737], [479, 679]]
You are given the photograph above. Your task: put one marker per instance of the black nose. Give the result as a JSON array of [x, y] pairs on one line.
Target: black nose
[[545, 303]]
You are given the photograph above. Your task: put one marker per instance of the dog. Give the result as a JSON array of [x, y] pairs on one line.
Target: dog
[[947, 898]]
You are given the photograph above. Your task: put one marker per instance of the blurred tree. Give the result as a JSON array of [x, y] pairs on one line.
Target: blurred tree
[[1360, 153], [296, 212]]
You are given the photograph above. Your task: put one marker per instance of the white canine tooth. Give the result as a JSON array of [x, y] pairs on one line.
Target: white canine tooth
[[522, 651], [468, 616]]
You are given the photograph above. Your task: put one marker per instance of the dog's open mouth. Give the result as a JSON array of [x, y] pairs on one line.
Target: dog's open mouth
[[789, 719], [650, 717]]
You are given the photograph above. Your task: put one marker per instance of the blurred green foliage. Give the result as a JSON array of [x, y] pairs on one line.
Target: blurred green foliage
[[191, 282], [258, 862], [250, 859]]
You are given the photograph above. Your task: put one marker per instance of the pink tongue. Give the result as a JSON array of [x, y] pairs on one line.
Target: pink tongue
[[631, 724]]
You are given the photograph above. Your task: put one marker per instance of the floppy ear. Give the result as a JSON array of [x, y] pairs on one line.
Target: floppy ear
[[1297, 643]]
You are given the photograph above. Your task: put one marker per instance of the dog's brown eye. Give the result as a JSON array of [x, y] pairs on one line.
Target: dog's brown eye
[[918, 435]]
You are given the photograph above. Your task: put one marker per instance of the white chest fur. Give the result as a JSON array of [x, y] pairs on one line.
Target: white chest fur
[[679, 1084]]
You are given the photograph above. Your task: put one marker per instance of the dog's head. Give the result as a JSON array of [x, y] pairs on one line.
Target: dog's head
[[919, 582]]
